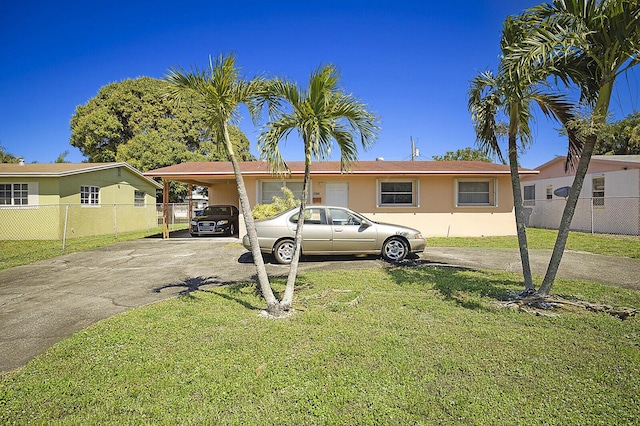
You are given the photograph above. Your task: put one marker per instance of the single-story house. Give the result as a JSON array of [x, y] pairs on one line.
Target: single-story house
[[42, 201], [440, 198], [609, 201]]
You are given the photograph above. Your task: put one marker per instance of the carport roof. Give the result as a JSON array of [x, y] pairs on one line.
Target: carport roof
[[224, 170]]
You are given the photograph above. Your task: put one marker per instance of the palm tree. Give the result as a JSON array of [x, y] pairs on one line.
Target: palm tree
[[321, 114], [504, 94], [588, 43], [220, 90]]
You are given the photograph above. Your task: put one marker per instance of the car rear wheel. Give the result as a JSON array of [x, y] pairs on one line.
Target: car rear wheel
[[395, 249], [232, 230], [283, 251]]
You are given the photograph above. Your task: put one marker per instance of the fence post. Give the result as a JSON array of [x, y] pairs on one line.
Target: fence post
[[115, 221], [64, 232], [591, 209]]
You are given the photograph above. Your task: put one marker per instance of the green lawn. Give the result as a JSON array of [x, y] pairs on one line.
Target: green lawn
[[610, 245], [414, 345], [16, 253]]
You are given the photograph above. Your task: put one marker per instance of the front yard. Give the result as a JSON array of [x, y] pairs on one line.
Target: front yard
[[419, 345]]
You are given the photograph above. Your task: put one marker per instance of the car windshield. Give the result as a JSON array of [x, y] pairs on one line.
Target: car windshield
[[217, 211]]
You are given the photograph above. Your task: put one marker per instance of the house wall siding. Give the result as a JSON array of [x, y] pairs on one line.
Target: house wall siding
[[435, 216], [45, 219]]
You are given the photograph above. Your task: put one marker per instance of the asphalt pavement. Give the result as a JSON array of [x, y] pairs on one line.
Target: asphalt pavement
[[47, 301]]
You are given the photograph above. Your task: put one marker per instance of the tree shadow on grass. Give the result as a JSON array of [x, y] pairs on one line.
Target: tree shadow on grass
[[190, 285], [464, 286]]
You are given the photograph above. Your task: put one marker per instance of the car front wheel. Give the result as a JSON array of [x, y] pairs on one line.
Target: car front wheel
[[283, 251], [232, 230], [394, 249]]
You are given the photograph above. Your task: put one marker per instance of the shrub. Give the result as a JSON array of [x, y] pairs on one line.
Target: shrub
[[279, 205]]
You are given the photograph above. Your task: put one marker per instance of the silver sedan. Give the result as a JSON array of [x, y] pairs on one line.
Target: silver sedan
[[330, 230]]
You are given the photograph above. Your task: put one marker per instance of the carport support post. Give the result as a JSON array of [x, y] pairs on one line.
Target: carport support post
[[190, 198], [165, 209]]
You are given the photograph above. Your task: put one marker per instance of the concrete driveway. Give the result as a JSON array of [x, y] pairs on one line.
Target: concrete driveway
[[47, 301]]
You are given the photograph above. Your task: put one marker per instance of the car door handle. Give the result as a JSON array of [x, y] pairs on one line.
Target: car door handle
[[337, 229]]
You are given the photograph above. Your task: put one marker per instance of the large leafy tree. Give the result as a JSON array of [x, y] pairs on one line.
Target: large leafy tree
[[321, 114], [132, 114], [218, 91], [588, 43], [493, 98], [6, 157], [134, 122], [621, 137]]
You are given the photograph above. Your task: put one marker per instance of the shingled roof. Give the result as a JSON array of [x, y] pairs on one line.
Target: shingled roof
[[63, 169], [213, 169]]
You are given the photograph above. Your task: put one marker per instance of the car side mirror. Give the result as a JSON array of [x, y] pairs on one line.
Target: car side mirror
[[366, 223]]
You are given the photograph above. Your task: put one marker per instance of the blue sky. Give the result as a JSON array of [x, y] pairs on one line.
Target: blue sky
[[410, 61]]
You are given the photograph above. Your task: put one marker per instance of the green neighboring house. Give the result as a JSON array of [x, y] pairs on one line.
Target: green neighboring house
[[49, 201]]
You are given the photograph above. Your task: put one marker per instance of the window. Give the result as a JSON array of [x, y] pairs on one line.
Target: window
[[476, 192], [312, 216], [549, 192], [270, 189], [343, 217], [397, 193], [529, 196], [14, 194], [598, 191], [139, 198], [89, 195]]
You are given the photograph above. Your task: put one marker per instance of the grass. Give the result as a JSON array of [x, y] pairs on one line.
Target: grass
[[610, 245], [413, 345], [23, 252]]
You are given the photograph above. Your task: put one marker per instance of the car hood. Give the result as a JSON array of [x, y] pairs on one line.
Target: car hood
[[212, 217], [389, 226]]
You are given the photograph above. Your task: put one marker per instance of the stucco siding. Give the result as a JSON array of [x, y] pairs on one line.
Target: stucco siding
[[434, 211]]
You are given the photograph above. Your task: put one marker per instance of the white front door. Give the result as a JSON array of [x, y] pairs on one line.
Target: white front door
[[337, 194]]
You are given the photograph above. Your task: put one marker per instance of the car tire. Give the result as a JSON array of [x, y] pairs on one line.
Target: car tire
[[395, 249], [232, 230], [283, 251]]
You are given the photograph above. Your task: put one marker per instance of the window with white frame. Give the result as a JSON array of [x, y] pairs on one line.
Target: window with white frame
[[549, 192], [138, 198], [529, 196], [89, 195], [270, 189], [476, 192], [397, 193], [14, 194], [598, 191]]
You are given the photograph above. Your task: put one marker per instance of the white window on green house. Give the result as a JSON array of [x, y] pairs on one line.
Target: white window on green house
[[14, 194], [270, 189], [476, 193], [89, 195], [139, 198], [598, 191], [529, 195], [397, 193], [549, 192]]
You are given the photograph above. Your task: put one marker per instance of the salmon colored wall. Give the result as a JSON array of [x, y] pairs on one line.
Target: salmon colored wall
[[436, 215]]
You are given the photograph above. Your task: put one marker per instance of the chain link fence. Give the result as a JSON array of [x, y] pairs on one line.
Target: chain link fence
[[68, 221], [599, 215]]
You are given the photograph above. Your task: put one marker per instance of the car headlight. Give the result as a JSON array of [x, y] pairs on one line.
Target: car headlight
[[222, 222], [194, 222], [418, 236]]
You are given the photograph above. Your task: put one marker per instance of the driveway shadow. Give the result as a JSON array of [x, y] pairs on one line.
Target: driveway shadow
[[193, 284]]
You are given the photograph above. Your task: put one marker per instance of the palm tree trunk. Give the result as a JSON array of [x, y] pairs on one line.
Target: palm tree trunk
[[521, 228], [287, 299], [567, 216], [598, 117], [273, 306]]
